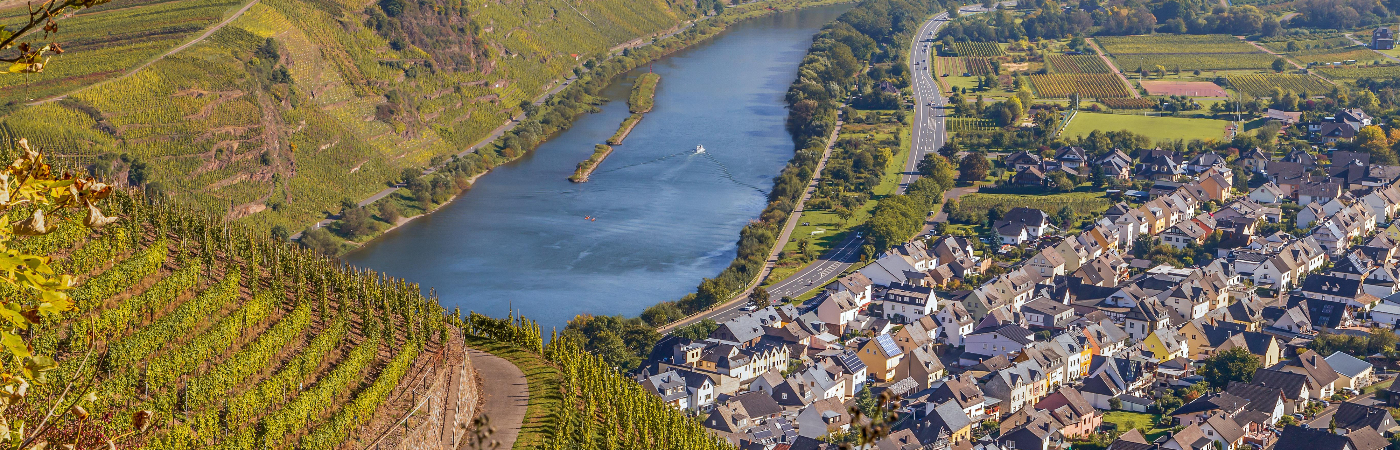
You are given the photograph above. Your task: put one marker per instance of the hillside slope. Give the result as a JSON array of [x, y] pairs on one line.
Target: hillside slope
[[297, 105]]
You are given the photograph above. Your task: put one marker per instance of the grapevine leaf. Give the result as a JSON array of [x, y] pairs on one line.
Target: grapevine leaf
[[14, 344]]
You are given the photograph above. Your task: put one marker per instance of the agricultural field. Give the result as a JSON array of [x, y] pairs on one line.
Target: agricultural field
[[1070, 64], [1184, 52], [248, 342], [1086, 85], [1156, 128], [977, 49], [956, 124], [1262, 85], [1358, 71], [280, 132], [1355, 53], [1085, 203], [978, 66], [1305, 43], [1189, 88], [1129, 103]]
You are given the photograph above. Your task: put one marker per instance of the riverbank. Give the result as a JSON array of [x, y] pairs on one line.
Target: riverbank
[[527, 133], [585, 168], [625, 129]]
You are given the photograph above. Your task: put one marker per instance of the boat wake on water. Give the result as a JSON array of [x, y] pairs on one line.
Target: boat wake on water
[[699, 150]]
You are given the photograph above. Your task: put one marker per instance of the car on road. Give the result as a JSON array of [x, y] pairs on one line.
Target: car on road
[[747, 308]]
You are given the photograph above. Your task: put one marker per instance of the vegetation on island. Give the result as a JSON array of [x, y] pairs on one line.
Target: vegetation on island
[[626, 128], [643, 95], [586, 167]]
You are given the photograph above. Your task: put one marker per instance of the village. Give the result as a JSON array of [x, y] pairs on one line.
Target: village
[[1083, 343]]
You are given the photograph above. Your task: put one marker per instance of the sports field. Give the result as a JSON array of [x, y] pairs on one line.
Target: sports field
[[1154, 127]]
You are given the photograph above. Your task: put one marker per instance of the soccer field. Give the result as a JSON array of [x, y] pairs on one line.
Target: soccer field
[[1156, 128]]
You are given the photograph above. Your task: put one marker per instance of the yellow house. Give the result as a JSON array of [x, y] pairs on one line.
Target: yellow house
[[881, 357], [1165, 344], [1205, 339]]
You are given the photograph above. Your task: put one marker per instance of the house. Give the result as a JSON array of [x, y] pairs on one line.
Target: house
[[922, 366], [742, 412], [1072, 157], [1159, 165], [881, 357], [682, 389], [1299, 438], [1283, 117], [1268, 193], [1036, 435], [1046, 264], [837, 308], [998, 340], [1045, 314], [955, 323], [1031, 176], [823, 417], [903, 303], [1022, 160], [1021, 225], [1382, 39], [1077, 417], [963, 390], [1115, 165], [1352, 372], [1387, 314], [1320, 375], [1354, 416], [1267, 401], [1166, 344], [1295, 387], [856, 284], [932, 419], [919, 334], [1254, 160], [1187, 233], [1205, 161]]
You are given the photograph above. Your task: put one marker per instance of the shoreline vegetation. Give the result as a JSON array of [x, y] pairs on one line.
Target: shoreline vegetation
[[456, 174], [643, 97], [625, 129], [585, 168]]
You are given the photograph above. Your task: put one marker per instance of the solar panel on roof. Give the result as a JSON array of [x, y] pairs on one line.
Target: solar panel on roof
[[887, 344]]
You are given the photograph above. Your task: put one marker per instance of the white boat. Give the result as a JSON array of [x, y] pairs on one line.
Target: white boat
[[699, 149]]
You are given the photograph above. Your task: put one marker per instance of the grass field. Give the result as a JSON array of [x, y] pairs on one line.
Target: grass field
[[1080, 202], [1156, 128], [1146, 423], [824, 228]]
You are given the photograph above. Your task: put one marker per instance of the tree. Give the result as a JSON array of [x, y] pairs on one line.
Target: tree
[[1065, 216], [845, 214], [759, 297], [1279, 64], [939, 169], [1114, 404], [389, 212], [974, 167], [280, 232], [1371, 139], [1236, 364], [949, 149]]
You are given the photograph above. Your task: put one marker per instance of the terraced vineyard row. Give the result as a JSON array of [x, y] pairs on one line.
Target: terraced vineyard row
[[1077, 64], [1262, 85], [1355, 72], [966, 49], [1086, 85]]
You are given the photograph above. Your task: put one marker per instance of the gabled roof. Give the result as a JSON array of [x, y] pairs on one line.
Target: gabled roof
[[1260, 398], [1013, 332], [1317, 368], [1347, 365], [1290, 383], [886, 344], [1225, 427], [1298, 438]]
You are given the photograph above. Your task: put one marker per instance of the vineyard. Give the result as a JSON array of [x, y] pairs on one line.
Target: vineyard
[[1184, 52], [984, 49], [279, 132], [956, 124], [978, 66], [1354, 53], [1071, 64], [1354, 72], [1263, 85], [1128, 103], [233, 341], [1309, 42], [1086, 85]]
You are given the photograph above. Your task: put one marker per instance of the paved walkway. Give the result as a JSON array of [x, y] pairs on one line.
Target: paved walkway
[[507, 395], [952, 194]]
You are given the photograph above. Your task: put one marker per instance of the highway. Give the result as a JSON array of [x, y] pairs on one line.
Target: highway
[[929, 130]]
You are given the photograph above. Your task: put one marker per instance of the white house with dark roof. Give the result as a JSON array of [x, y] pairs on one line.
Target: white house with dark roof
[[902, 303], [1000, 340], [682, 389], [1021, 225]]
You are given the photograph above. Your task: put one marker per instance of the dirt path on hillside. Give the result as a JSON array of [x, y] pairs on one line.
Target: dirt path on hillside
[[172, 51], [507, 396], [1116, 70]]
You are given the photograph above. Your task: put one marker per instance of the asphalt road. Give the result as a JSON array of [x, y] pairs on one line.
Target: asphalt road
[[816, 274], [929, 129]]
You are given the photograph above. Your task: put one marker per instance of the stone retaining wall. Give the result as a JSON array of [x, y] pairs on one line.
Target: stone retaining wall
[[445, 393]]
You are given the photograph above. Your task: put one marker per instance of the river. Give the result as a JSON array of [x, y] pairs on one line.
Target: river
[[659, 216]]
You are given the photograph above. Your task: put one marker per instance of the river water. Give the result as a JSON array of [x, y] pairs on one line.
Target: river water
[[659, 216]]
